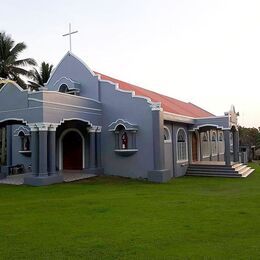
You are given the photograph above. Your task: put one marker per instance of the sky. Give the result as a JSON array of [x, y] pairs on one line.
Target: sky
[[202, 51]]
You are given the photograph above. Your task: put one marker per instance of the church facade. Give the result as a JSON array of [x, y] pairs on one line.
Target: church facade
[[86, 121]]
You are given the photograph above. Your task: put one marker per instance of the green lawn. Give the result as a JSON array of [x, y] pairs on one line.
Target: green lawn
[[116, 218]]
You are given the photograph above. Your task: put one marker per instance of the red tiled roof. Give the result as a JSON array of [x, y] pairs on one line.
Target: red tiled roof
[[169, 104]]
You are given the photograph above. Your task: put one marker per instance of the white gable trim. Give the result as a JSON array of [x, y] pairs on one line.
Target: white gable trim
[[69, 53], [13, 83]]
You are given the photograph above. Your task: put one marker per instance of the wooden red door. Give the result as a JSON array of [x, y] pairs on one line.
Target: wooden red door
[[72, 151]]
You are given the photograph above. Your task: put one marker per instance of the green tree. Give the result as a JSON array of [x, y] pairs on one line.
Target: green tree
[[248, 136], [10, 66], [258, 141], [40, 76]]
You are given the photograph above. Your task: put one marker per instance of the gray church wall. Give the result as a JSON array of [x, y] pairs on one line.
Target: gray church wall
[[71, 107], [121, 105], [70, 67]]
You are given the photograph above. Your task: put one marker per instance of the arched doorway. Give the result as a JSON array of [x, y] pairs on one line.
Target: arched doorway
[[72, 152]]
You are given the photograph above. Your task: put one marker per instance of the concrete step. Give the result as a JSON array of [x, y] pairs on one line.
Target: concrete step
[[241, 167], [248, 172], [210, 174], [211, 169], [237, 170]]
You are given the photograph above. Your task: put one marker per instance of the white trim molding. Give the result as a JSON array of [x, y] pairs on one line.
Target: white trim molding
[[23, 129], [126, 124], [156, 106]]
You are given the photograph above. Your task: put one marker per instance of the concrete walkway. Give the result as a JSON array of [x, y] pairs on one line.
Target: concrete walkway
[[69, 176]]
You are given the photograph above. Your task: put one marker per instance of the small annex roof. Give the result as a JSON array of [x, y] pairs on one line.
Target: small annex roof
[[169, 104]]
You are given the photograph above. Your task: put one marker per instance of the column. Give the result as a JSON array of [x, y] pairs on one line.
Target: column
[[227, 147], [92, 144], [190, 147], [217, 136], [52, 150], [210, 145], [43, 146], [9, 160], [236, 146], [34, 149], [158, 173], [2, 159], [158, 142], [98, 136], [201, 140]]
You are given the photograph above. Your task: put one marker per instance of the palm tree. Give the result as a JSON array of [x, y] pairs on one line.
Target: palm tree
[[40, 76], [10, 66]]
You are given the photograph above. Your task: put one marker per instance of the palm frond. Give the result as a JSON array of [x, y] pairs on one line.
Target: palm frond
[[33, 85], [20, 71], [25, 62], [18, 80], [17, 49], [10, 66]]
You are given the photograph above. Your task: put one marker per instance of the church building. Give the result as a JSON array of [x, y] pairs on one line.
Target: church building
[[89, 122]]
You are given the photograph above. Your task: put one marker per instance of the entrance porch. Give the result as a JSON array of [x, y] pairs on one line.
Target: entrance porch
[[214, 151], [41, 130], [213, 145]]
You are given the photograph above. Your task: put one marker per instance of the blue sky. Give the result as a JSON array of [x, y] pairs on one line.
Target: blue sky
[[203, 51]]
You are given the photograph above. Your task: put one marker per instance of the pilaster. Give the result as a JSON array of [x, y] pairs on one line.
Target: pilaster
[[43, 144], [236, 146], [95, 164], [52, 149], [227, 147], [159, 173]]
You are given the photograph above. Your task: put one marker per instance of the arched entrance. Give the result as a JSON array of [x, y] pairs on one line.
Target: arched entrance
[[72, 150]]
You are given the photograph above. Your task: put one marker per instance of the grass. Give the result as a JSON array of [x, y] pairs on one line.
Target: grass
[[116, 218]]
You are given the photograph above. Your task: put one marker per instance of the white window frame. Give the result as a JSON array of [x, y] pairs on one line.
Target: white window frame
[[186, 146], [169, 137]]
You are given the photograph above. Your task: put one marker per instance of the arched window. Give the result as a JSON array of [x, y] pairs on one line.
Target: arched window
[[166, 135], [220, 138], [205, 137], [25, 141], [205, 144], [214, 143], [122, 138], [63, 88], [181, 145], [213, 137]]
